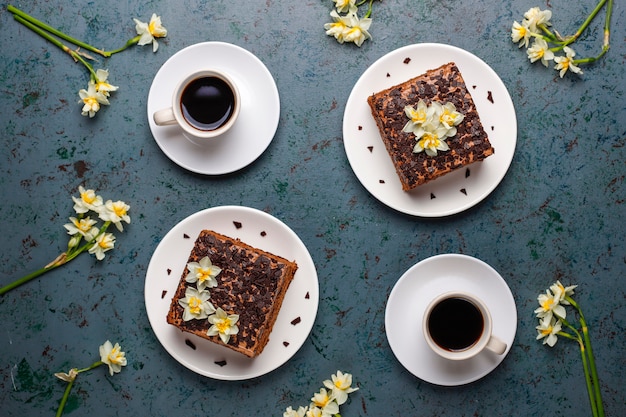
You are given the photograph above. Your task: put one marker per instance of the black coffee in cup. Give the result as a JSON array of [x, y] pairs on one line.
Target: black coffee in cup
[[455, 324], [207, 103]]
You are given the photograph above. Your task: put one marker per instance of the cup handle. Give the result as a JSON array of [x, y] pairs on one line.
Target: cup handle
[[496, 345], [164, 117]]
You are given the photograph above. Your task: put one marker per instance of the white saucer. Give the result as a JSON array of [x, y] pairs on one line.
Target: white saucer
[[254, 128], [456, 191], [297, 313], [412, 294]]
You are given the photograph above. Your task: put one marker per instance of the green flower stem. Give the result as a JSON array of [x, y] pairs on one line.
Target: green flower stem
[[588, 21], [62, 259], [75, 55], [26, 17], [66, 394], [129, 43]]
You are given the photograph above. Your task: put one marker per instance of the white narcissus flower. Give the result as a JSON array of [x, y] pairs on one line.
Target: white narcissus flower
[[550, 304], [340, 385], [300, 412], [357, 31], [196, 304], [203, 273], [112, 356], [448, 117], [325, 402], [67, 377], [115, 212], [520, 34], [88, 201], [337, 27], [148, 32], [536, 17], [91, 99], [548, 329], [432, 141], [539, 51], [223, 325], [419, 117], [559, 289], [103, 243], [565, 63], [102, 85], [344, 5], [83, 227]]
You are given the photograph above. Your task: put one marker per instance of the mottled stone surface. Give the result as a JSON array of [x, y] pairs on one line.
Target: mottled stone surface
[[558, 213]]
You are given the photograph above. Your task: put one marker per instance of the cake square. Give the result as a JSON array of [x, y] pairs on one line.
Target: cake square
[[444, 85], [252, 284]]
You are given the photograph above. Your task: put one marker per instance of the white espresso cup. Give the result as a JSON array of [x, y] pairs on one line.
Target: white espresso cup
[[205, 104], [457, 326]]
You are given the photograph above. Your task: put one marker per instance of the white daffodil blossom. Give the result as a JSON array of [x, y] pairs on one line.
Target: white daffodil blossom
[[148, 32], [562, 291], [104, 242], [432, 141], [102, 85], [300, 412], [548, 329], [112, 356], [91, 99], [448, 117], [539, 50], [344, 5], [203, 273], [116, 212], [357, 30], [419, 117], [223, 325], [520, 34], [340, 385], [536, 17], [88, 201], [67, 377], [315, 412], [550, 304], [338, 27], [83, 227], [324, 401], [196, 304], [565, 63]]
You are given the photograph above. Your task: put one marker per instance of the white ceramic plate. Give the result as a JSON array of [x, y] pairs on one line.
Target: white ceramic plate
[[260, 230], [257, 122], [456, 191], [412, 294]]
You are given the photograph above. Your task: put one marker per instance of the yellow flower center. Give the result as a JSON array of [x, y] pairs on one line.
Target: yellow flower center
[[115, 356], [547, 304], [83, 225], [429, 140], [195, 305], [119, 209], [223, 325], [547, 331], [87, 196], [203, 274]]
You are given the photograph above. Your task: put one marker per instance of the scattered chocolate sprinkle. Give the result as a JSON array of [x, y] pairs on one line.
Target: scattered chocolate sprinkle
[[163, 294], [489, 96], [474, 87], [237, 224], [285, 344], [432, 196], [371, 148], [169, 271], [185, 235], [190, 344], [263, 233], [220, 363], [360, 127], [388, 75], [464, 191], [381, 181], [307, 296], [407, 60], [296, 321], [467, 173], [492, 128]]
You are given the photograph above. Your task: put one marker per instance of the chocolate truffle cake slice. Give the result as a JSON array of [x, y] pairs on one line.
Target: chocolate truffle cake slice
[[444, 84], [252, 284]]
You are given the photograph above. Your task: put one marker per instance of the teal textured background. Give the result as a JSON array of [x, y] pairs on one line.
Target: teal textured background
[[558, 213]]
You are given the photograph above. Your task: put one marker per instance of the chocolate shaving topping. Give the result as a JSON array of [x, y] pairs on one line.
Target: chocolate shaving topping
[[185, 236], [163, 294], [296, 321], [360, 127], [432, 196], [370, 148], [263, 233], [220, 363], [307, 296], [237, 224], [467, 173], [388, 75], [190, 344], [169, 271], [285, 344], [489, 96], [464, 191], [407, 60]]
